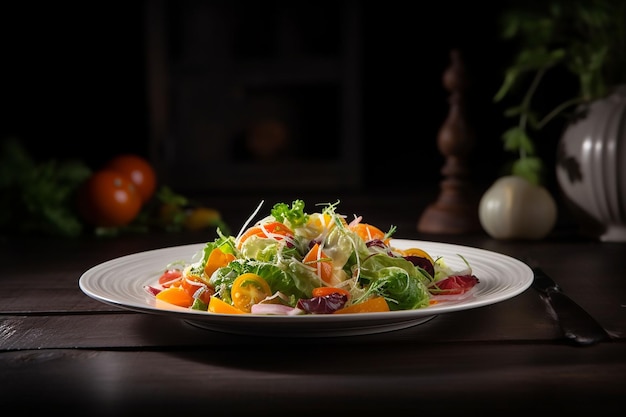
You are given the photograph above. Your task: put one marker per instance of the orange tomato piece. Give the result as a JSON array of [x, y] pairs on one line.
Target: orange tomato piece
[[373, 305], [193, 284], [169, 277], [324, 291], [220, 306], [274, 230], [368, 232], [176, 295], [316, 257], [217, 259], [416, 252]]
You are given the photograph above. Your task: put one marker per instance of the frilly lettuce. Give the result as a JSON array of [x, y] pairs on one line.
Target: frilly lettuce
[[397, 280]]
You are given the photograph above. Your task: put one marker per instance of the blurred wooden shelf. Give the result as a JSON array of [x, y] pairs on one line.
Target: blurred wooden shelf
[[244, 94]]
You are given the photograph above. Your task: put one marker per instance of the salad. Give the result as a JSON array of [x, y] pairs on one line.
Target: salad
[[295, 263]]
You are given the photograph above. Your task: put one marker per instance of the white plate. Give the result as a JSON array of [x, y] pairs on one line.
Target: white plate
[[120, 282]]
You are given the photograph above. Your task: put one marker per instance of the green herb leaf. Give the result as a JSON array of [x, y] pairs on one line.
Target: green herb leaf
[[529, 168], [294, 215], [516, 140], [38, 197]]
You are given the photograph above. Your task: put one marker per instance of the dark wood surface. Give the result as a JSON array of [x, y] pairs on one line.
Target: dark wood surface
[[61, 350]]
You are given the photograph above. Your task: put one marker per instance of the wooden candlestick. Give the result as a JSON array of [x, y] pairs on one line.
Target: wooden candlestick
[[456, 209]]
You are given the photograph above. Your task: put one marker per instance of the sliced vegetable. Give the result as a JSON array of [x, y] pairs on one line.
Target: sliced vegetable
[[456, 284], [279, 309], [419, 257], [323, 305], [249, 289], [325, 291], [221, 307], [416, 252], [217, 259], [368, 232], [169, 277], [274, 230], [176, 295], [318, 259], [197, 288], [373, 305]]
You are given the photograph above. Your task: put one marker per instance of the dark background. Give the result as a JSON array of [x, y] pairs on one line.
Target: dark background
[[74, 83]]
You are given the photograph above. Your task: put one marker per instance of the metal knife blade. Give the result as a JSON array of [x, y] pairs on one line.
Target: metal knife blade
[[577, 325]]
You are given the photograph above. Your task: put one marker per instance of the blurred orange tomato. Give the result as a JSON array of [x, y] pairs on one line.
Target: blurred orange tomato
[[108, 199], [139, 171]]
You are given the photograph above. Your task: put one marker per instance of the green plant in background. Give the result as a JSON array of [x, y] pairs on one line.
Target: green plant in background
[[38, 196], [586, 38]]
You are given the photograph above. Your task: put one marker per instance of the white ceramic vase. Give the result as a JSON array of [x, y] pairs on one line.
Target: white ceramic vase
[[591, 167]]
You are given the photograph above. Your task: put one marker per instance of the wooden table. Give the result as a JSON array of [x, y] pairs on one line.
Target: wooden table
[[63, 351]]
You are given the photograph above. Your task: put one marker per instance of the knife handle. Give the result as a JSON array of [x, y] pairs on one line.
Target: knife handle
[[577, 325]]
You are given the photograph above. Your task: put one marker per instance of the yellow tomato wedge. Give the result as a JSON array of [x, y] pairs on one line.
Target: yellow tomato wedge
[[221, 307], [217, 259], [249, 289]]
